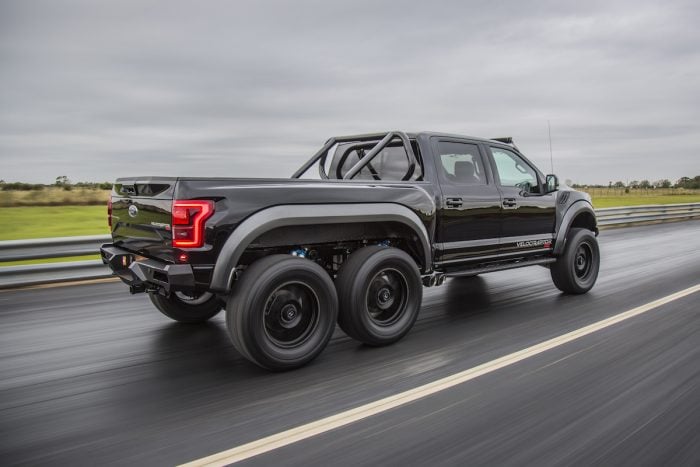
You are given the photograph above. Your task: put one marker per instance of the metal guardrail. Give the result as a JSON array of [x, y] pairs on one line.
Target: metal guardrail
[[64, 247], [37, 274], [48, 248], [611, 217]]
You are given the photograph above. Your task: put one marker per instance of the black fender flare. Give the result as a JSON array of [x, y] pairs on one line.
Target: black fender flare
[[574, 210], [287, 215]]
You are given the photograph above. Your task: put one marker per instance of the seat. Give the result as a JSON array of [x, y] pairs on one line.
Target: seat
[[465, 173]]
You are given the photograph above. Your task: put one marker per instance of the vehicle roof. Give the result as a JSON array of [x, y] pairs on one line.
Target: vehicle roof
[[415, 134]]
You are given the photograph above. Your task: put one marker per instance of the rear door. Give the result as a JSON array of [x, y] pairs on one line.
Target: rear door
[[469, 212], [528, 216]]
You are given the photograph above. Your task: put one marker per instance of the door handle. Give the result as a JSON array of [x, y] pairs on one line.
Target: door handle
[[453, 202], [509, 203]]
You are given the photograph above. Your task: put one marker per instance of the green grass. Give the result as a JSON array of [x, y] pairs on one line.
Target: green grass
[[52, 221], [49, 260], [637, 200]]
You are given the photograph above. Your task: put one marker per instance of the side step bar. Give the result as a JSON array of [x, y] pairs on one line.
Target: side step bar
[[500, 267]]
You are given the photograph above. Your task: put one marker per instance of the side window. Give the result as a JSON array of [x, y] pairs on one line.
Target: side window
[[460, 163], [514, 171]]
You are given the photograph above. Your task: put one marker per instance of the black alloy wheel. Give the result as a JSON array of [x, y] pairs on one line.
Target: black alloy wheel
[[291, 314], [583, 261], [387, 296]]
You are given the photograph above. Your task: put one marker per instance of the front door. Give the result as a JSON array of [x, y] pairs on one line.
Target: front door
[[469, 214], [528, 216]]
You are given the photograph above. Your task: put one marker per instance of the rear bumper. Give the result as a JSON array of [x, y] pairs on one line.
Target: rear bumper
[[144, 274]]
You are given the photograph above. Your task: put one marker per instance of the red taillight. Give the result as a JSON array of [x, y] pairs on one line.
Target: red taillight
[[109, 213], [188, 218]]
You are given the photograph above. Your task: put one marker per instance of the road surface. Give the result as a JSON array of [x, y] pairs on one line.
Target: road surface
[[94, 376]]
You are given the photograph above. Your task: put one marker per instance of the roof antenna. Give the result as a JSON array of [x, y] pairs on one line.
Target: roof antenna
[[551, 159]]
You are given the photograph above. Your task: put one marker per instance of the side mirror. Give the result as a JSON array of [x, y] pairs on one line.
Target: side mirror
[[551, 183]]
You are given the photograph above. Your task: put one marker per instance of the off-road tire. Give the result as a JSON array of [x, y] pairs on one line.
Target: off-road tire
[[380, 293], [282, 312], [576, 270], [177, 309]]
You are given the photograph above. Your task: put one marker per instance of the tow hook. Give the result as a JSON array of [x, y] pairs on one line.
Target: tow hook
[[138, 288]]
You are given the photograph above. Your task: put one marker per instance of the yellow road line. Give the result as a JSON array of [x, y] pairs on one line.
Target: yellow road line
[[308, 430]]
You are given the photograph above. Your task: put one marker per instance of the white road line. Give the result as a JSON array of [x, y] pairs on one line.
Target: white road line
[[284, 438]]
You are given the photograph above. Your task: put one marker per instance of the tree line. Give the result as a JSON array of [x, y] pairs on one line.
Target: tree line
[[62, 182], [687, 183]]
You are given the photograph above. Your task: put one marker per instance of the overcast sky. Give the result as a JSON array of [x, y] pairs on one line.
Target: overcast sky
[[96, 90]]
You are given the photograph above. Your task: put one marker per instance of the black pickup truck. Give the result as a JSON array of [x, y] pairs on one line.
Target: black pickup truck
[[386, 215]]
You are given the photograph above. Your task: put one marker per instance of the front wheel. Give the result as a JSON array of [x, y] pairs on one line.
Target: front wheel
[[380, 293], [187, 308], [576, 270], [282, 312]]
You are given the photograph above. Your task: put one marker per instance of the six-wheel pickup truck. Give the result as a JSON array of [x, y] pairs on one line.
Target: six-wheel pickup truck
[[386, 215]]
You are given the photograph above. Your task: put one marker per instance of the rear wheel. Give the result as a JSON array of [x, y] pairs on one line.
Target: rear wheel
[[576, 270], [185, 308], [380, 293], [282, 312]]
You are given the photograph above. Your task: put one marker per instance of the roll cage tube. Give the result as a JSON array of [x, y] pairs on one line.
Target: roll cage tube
[[360, 146], [341, 160], [322, 154], [378, 148]]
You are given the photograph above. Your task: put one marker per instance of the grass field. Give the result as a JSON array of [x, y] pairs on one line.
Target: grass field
[[52, 221], [635, 200], [614, 197]]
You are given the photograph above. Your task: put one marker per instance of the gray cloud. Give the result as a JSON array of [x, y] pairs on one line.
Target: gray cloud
[[96, 90]]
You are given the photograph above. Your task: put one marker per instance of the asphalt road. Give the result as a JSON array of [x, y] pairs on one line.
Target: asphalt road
[[94, 376]]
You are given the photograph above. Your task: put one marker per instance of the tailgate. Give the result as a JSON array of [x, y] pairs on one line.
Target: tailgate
[[141, 215]]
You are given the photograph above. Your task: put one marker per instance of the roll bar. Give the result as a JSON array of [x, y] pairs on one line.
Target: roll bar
[[321, 155]]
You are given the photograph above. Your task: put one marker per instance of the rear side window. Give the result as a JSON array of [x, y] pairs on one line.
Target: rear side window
[[460, 163], [391, 164]]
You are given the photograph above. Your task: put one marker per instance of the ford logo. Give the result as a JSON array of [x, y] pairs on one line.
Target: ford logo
[[133, 210]]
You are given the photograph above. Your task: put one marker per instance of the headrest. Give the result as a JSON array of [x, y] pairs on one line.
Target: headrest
[[464, 170]]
